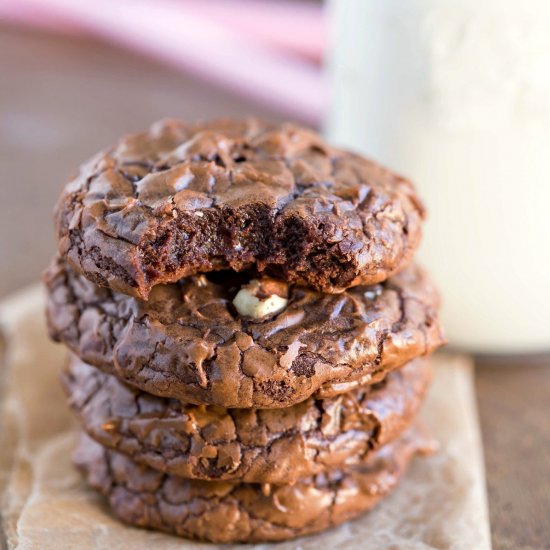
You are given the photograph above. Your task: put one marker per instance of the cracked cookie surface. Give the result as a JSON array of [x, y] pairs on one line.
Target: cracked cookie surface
[[188, 342], [251, 445], [182, 199], [223, 511]]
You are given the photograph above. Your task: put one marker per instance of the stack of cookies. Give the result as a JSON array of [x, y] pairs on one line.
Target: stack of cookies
[[248, 335]]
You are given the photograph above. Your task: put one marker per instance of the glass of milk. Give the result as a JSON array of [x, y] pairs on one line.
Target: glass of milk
[[455, 94]]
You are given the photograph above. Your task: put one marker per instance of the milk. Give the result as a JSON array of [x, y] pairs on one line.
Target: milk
[[455, 94]]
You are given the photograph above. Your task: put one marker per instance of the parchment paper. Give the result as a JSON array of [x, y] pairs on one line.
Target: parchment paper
[[45, 504]]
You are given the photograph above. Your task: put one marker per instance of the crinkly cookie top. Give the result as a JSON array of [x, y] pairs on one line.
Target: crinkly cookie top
[[182, 199]]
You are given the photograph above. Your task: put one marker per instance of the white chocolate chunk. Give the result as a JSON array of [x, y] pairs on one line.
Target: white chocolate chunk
[[248, 304]]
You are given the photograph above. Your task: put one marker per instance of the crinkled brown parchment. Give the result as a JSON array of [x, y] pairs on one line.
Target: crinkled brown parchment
[[45, 504]]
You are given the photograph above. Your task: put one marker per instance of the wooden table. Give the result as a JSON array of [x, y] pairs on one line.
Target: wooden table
[[61, 99]]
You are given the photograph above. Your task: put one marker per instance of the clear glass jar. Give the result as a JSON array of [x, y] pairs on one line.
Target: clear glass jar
[[455, 94]]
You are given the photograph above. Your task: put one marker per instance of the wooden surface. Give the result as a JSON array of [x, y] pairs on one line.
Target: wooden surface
[[514, 408], [61, 99]]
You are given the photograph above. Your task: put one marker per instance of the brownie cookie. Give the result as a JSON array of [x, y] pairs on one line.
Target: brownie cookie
[[223, 511], [189, 341], [183, 199], [252, 445]]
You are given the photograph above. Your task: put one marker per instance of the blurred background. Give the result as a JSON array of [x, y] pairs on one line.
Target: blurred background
[[452, 93]]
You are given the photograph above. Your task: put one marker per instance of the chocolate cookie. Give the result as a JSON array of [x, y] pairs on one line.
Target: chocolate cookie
[[252, 445], [183, 199], [223, 511], [189, 342]]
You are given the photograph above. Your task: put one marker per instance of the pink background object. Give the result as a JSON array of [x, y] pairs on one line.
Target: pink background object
[[268, 50]]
